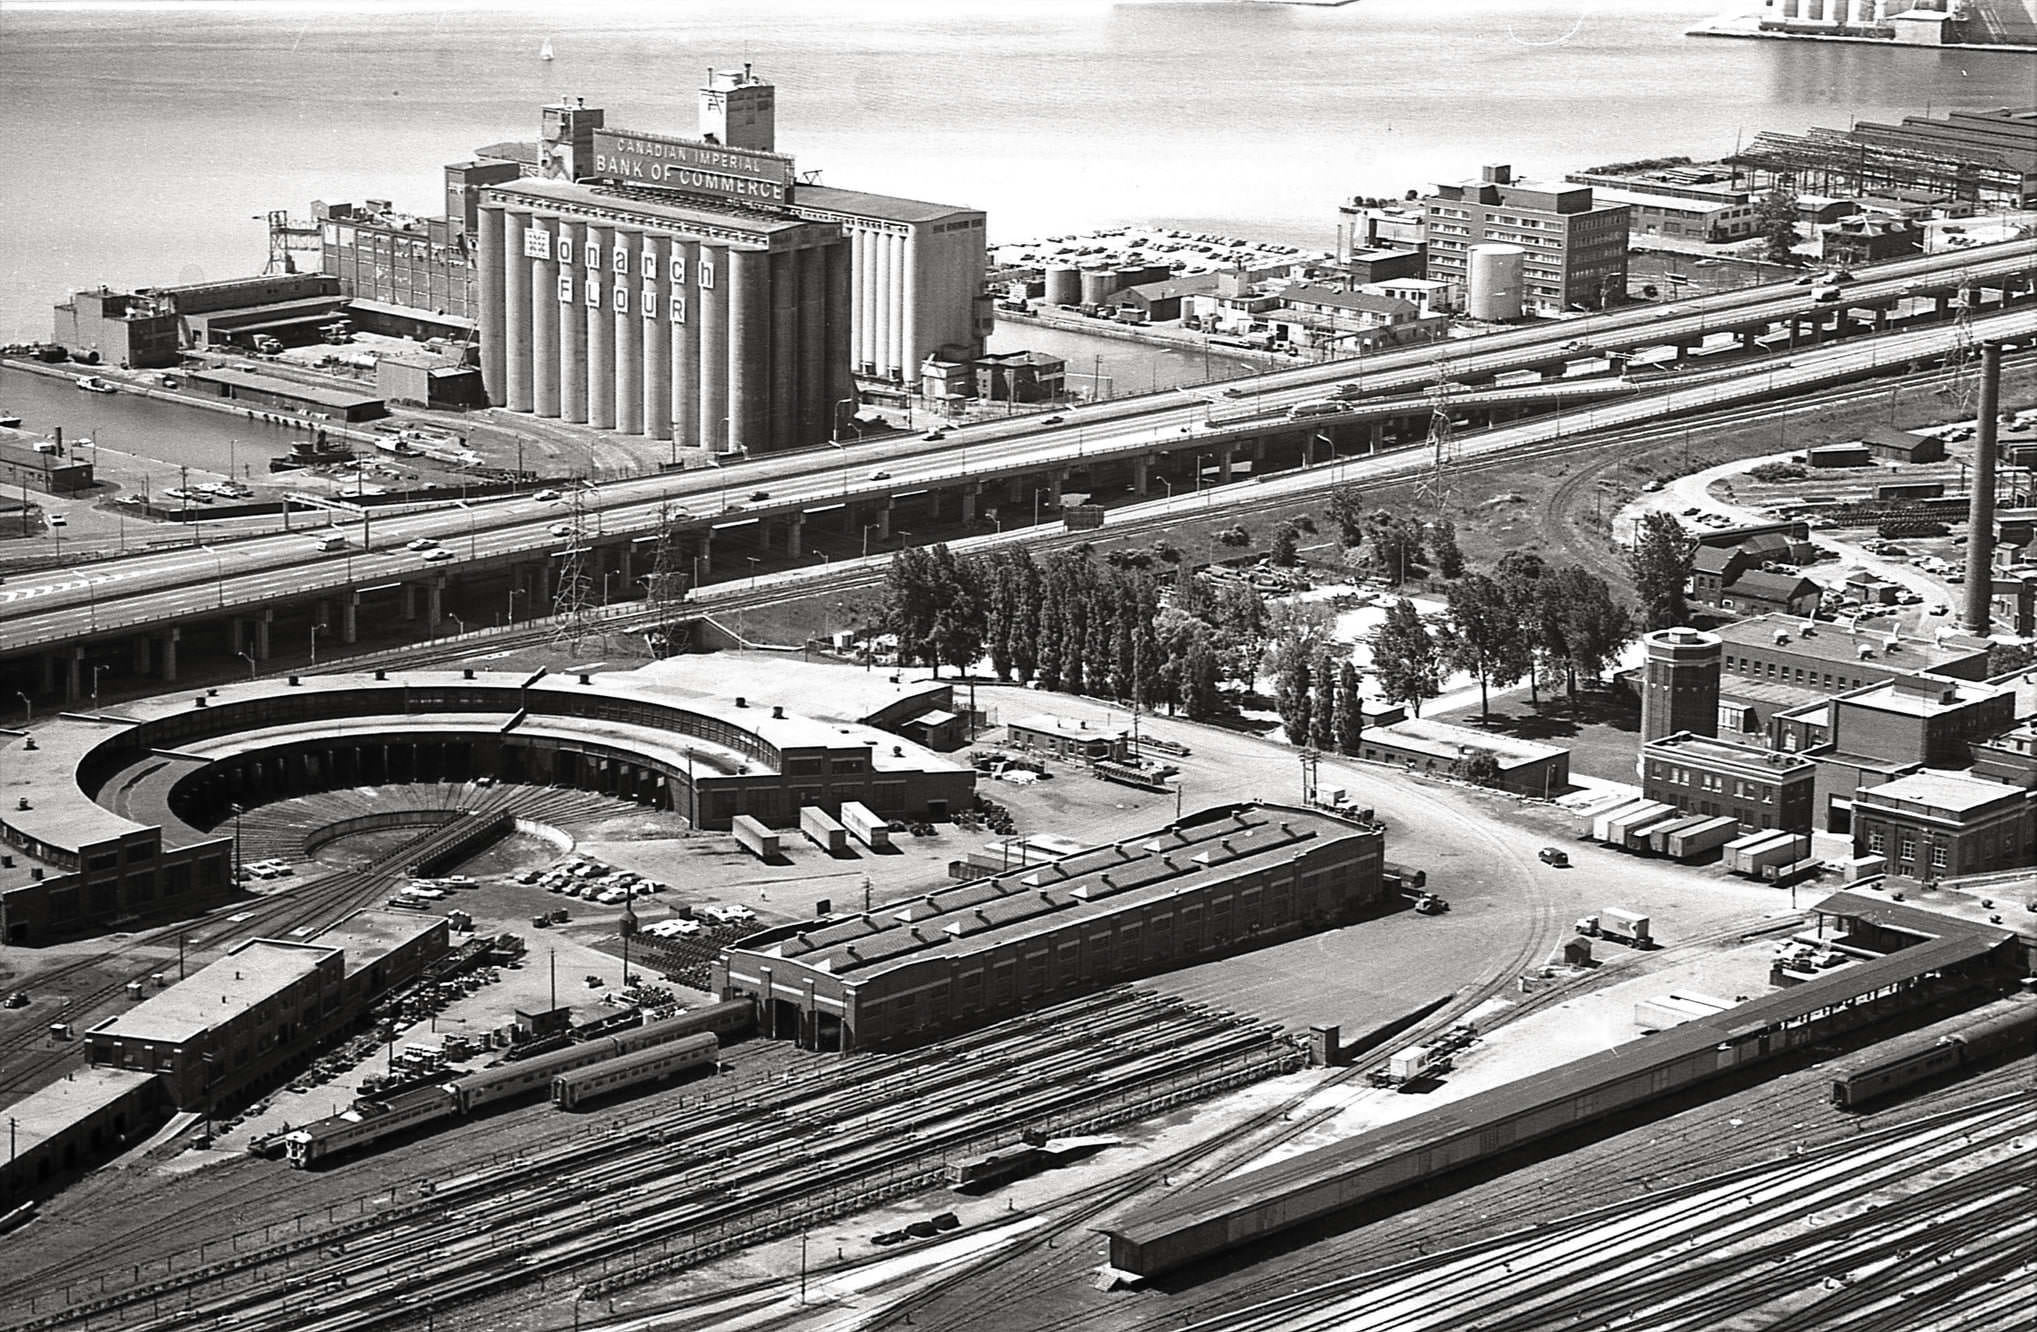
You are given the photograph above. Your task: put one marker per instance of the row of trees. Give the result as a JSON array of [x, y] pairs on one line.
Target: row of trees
[[1075, 625]]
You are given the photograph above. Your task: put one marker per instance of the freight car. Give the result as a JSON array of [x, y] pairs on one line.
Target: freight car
[[2007, 1027], [574, 1089]]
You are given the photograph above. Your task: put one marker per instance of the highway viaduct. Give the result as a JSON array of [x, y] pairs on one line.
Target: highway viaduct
[[143, 615]]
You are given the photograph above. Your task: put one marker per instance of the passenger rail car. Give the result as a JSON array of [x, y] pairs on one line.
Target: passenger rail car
[[727, 1021], [581, 1086], [2007, 1027], [1182, 1230], [684, 1036], [366, 1122]]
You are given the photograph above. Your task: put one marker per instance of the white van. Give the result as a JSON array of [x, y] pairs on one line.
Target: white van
[[332, 541]]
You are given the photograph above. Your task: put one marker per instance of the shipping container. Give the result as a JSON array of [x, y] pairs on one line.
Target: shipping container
[[754, 837], [1624, 926], [1597, 825], [823, 830], [1660, 833], [865, 826], [1756, 851], [1692, 842], [1640, 835], [1619, 824]]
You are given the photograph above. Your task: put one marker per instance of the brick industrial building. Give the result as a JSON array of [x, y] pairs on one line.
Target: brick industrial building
[[1221, 881], [1762, 788]]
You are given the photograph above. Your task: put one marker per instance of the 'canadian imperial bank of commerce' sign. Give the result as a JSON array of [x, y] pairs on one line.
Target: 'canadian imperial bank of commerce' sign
[[690, 165]]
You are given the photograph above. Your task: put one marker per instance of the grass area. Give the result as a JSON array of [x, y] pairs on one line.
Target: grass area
[[1602, 730]]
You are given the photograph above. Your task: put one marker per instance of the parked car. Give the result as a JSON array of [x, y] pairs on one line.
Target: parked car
[[1553, 855]]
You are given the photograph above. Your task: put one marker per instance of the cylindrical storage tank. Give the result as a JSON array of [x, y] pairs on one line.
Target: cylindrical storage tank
[[1494, 291], [1791, 8], [1064, 285], [1098, 284], [1130, 276], [1157, 273]]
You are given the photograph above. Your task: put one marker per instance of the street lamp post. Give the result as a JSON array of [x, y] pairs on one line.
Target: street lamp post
[[753, 571], [253, 672], [457, 620], [95, 681], [27, 708]]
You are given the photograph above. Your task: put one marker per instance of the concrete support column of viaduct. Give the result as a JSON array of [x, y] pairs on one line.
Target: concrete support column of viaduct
[[265, 621], [712, 347], [627, 296], [494, 261], [350, 618], [516, 314], [572, 315], [656, 265], [749, 348], [600, 328], [795, 527], [166, 654], [547, 241]]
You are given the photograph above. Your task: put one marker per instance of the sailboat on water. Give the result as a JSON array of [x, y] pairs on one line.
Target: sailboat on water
[[545, 51]]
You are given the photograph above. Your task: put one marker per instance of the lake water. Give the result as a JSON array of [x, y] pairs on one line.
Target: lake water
[[148, 136]]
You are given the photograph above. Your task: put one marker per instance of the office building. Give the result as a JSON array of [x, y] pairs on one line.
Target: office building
[[1219, 882], [1762, 788], [1932, 825], [125, 329], [1575, 249]]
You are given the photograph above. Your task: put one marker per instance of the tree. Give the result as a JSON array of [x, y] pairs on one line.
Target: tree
[[1291, 697], [1777, 218], [1523, 578], [1595, 627], [1236, 537], [1660, 563], [1347, 511], [910, 601], [1443, 545], [1199, 696], [1393, 543], [1405, 657], [1349, 721], [1484, 637], [1286, 545], [955, 634], [1323, 709], [1479, 766]]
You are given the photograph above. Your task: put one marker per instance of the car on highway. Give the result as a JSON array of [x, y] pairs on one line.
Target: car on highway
[[422, 543], [561, 529], [437, 555], [546, 496], [1053, 420], [880, 475], [758, 496], [935, 434]]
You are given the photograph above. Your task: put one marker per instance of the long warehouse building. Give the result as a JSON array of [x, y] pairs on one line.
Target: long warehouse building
[[1222, 881]]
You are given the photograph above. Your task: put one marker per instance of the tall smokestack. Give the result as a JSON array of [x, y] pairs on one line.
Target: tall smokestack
[[1980, 518]]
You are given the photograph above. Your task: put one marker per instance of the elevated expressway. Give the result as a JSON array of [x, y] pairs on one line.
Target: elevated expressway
[[1006, 473]]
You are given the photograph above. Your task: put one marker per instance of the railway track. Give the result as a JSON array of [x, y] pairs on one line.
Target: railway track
[[875, 1126], [1703, 1254]]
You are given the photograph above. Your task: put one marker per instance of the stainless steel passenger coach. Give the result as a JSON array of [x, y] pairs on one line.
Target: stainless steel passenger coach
[[576, 1088]]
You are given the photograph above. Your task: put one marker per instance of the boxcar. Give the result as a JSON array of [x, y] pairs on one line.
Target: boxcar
[[581, 1086]]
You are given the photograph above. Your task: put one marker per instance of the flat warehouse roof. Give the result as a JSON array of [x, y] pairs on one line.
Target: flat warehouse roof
[[884, 207], [249, 976], [49, 1110], [368, 936], [286, 388]]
